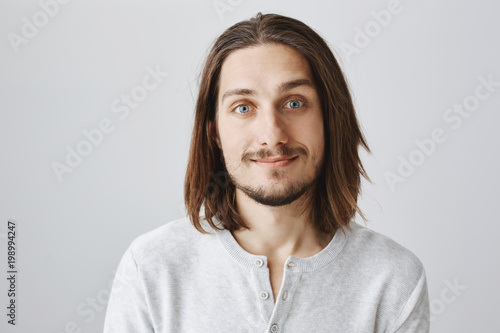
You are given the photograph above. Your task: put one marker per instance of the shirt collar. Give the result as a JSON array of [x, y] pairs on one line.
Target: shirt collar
[[309, 264]]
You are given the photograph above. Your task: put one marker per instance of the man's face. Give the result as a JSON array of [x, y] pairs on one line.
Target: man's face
[[268, 108]]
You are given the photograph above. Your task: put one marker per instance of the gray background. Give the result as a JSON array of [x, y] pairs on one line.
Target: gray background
[[64, 79]]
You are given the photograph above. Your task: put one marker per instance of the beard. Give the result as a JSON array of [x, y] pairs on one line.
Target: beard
[[275, 198], [275, 193]]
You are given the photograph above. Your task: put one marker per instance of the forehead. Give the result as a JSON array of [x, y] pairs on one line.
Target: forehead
[[262, 66]]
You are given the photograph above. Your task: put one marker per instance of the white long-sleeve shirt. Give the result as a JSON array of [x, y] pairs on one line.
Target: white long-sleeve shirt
[[175, 279]]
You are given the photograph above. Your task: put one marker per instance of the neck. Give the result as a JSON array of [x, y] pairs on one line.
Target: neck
[[278, 232]]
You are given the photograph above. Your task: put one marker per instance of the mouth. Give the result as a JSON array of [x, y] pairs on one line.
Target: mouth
[[273, 163]]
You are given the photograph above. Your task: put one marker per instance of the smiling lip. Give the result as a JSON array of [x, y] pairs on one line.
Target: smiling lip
[[272, 163]]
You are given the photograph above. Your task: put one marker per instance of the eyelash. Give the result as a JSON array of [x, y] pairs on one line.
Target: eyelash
[[291, 100]]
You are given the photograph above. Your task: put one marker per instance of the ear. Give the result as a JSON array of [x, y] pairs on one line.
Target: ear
[[213, 133]]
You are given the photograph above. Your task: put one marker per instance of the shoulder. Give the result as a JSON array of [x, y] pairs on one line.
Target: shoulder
[[382, 254], [174, 239], [393, 276], [178, 228]]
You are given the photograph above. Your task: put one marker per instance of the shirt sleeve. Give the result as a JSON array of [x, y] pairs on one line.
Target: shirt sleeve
[[415, 316], [127, 310]]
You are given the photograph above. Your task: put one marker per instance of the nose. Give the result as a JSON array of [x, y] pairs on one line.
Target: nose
[[271, 127]]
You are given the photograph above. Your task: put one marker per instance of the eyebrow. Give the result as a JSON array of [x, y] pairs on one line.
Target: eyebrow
[[284, 86]]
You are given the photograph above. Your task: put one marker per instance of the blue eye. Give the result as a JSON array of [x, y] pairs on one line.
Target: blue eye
[[243, 108], [294, 104]]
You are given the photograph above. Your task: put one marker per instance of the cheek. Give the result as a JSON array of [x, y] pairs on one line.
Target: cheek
[[312, 134], [320, 141], [231, 146], [310, 129]]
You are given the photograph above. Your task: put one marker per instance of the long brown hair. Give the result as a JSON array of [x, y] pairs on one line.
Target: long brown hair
[[207, 182]]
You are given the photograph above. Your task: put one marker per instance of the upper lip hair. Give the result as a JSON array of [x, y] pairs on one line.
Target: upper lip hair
[[275, 159]]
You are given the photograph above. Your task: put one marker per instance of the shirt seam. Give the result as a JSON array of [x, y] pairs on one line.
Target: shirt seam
[[139, 275], [416, 290]]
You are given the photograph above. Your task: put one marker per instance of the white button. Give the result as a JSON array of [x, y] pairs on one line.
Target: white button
[[274, 328], [291, 264], [264, 295], [259, 262]]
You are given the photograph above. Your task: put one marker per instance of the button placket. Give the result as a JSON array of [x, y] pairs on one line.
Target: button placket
[[291, 278], [289, 266], [260, 285]]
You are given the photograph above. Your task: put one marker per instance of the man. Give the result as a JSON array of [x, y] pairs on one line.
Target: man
[[274, 162]]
